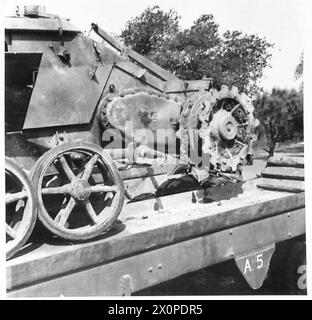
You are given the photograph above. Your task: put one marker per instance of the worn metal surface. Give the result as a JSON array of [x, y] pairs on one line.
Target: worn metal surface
[[152, 117], [154, 223], [67, 88], [130, 274]]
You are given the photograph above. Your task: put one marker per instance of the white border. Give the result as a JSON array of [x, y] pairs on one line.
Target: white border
[[308, 174]]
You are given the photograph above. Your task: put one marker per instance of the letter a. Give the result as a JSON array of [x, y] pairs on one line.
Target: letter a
[[247, 266]]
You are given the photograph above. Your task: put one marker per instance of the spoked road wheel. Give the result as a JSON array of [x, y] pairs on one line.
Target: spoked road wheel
[[80, 193], [21, 207]]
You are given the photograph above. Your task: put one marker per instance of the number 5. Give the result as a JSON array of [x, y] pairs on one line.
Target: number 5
[[260, 261]]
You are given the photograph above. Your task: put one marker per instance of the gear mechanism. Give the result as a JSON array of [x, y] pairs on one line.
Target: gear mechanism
[[222, 123], [215, 128]]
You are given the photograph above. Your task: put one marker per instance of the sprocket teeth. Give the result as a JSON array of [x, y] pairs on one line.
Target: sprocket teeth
[[224, 90], [210, 99], [243, 99], [234, 92]]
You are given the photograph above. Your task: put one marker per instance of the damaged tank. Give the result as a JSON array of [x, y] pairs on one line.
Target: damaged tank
[[81, 114]]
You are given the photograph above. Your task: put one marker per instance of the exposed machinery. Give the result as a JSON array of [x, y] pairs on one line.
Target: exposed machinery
[[82, 114]]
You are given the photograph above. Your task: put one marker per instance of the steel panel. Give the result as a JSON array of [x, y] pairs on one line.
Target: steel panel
[[38, 24], [147, 269], [65, 94], [170, 219]]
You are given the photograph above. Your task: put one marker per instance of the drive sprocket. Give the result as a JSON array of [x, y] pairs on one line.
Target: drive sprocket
[[222, 123]]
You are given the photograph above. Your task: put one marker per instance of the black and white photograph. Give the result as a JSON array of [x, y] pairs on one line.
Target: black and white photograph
[[155, 148]]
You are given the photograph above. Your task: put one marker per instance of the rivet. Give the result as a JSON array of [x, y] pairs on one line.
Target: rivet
[[289, 234], [160, 266], [150, 269]]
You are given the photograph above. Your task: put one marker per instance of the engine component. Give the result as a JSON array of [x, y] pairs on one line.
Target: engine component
[[142, 115]]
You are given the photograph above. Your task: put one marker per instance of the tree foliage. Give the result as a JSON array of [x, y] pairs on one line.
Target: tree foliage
[[299, 68], [150, 30], [281, 116], [232, 58], [299, 73], [199, 51]]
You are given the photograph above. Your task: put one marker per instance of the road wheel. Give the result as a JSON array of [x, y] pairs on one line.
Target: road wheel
[[21, 207], [79, 190]]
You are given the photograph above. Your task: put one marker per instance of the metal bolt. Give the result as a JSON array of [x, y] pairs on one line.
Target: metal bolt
[[289, 235], [112, 88]]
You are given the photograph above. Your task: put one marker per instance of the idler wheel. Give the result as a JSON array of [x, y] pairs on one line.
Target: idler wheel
[[80, 192], [21, 207]]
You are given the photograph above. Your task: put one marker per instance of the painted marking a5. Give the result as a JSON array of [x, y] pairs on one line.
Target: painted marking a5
[[259, 263]]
